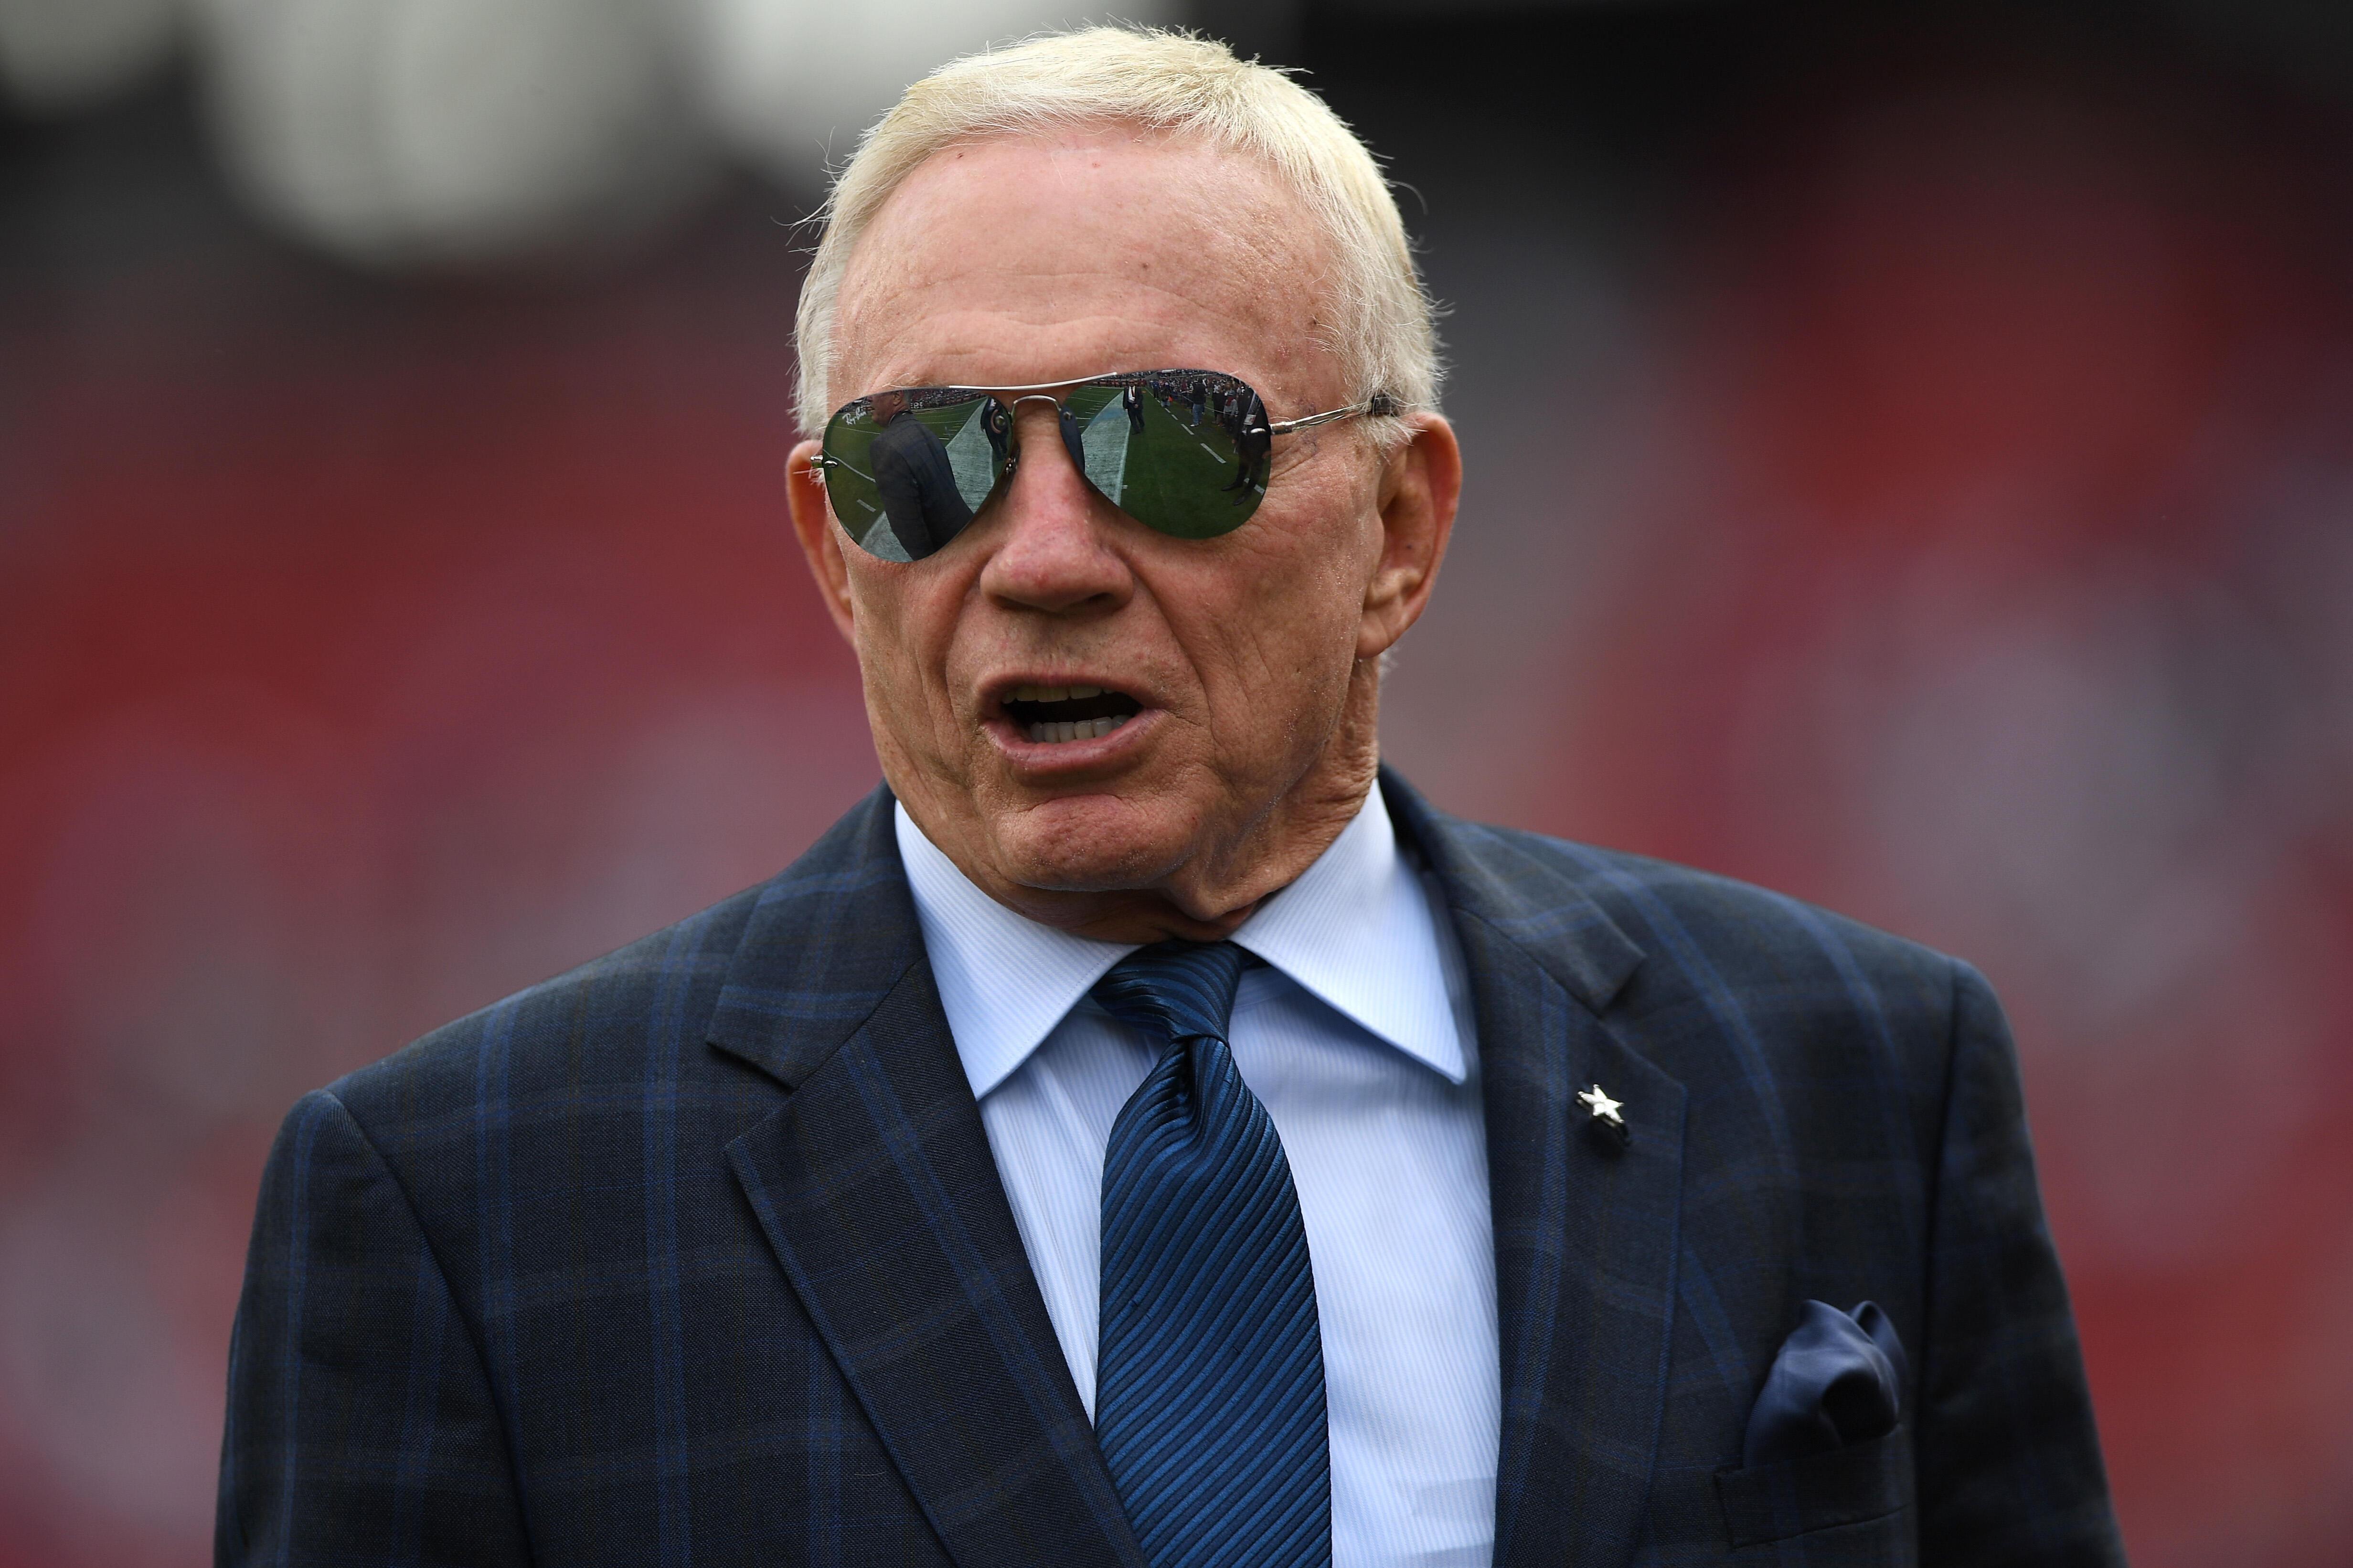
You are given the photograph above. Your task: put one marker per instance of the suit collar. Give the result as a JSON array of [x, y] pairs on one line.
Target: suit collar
[[875, 1188], [1586, 1228], [829, 937], [1491, 876], [835, 931]]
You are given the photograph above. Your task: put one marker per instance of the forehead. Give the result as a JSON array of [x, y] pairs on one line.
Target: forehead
[[1024, 260]]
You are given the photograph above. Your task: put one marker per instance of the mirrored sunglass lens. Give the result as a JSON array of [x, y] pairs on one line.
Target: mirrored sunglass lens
[[1184, 452], [906, 470]]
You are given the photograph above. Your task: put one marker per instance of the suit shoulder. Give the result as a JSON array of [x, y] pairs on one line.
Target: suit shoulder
[[596, 1022], [648, 1005], [1722, 981], [1702, 918]]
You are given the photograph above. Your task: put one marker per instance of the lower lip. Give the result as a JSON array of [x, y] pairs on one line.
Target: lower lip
[[1056, 756]]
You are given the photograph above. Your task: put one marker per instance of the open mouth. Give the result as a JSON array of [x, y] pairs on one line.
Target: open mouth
[[1052, 714]]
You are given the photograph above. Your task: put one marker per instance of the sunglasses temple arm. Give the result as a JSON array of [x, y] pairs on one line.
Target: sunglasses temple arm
[[1379, 402]]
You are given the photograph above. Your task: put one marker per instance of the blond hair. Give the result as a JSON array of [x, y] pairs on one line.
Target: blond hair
[[1176, 84]]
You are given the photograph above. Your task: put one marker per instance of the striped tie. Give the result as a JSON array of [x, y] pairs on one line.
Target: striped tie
[[1210, 1369]]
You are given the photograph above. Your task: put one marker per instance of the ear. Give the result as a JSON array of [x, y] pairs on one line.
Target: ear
[[820, 540], [1420, 484]]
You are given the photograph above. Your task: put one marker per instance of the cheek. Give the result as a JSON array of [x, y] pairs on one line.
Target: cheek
[[1308, 587], [904, 624], [875, 614], [1289, 618]]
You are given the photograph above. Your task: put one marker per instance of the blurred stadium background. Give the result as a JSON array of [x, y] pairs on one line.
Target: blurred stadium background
[[1911, 465]]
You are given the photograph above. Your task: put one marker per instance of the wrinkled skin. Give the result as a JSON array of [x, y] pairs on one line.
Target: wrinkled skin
[[1021, 260]]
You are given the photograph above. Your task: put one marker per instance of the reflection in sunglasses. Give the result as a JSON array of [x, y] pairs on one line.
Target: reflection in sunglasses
[[1184, 452]]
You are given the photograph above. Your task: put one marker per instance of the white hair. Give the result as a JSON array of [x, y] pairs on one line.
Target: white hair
[[1176, 84]]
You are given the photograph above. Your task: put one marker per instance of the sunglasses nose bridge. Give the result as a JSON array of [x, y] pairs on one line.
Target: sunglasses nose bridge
[[1058, 431], [1050, 409]]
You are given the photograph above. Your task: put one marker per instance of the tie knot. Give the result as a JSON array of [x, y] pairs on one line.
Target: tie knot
[[1174, 990]]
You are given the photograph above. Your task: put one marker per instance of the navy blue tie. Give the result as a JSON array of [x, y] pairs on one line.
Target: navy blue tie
[[1209, 1366]]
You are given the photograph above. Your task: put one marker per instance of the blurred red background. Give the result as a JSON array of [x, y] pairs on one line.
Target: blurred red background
[[1910, 466]]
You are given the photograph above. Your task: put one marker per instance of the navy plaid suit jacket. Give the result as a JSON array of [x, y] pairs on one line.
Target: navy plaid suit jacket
[[698, 1254]]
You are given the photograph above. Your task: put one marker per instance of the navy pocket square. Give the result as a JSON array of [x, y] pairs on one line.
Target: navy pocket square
[[1838, 1379]]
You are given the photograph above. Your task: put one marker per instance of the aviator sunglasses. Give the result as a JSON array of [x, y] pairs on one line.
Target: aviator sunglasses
[[1184, 452]]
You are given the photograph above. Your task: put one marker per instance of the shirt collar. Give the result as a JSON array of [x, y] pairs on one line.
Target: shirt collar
[[1356, 931]]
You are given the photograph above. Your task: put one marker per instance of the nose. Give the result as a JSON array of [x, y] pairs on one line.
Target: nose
[[1051, 551]]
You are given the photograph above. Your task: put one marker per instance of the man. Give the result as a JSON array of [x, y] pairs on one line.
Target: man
[[1146, 1132], [1253, 443], [997, 424], [915, 479]]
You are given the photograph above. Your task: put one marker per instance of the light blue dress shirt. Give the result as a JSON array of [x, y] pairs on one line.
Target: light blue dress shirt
[[1359, 1040]]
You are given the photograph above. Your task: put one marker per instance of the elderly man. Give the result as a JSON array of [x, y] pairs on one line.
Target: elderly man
[[1144, 1132]]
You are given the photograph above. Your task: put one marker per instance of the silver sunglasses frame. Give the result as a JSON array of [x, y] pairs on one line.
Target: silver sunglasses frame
[[1056, 393], [1379, 404]]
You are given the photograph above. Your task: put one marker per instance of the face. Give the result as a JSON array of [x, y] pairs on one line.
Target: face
[[1247, 658]]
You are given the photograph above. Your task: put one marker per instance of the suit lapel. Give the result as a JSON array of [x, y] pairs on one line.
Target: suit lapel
[[876, 1188], [1584, 1228]]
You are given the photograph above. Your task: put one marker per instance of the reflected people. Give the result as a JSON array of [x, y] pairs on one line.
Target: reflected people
[[1252, 442], [997, 424], [917, 485]]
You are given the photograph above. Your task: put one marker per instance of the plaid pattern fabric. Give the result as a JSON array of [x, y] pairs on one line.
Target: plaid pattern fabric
[[698, 1254]]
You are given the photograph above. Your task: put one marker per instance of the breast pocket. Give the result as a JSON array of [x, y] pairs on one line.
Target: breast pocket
[[1853, 1486]]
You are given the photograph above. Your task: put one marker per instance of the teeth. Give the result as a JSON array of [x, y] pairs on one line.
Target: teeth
[[1055, 693], [1053, 732]]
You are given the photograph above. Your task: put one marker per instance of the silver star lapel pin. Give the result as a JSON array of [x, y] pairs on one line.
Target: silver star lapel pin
[[1605, 1111]]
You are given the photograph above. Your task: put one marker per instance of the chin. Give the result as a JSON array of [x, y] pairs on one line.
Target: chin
[[1089, 843]]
